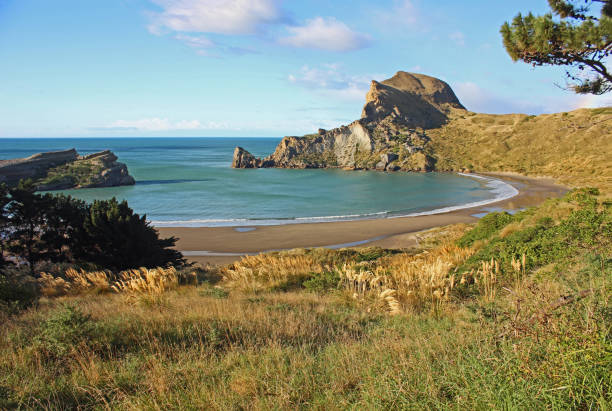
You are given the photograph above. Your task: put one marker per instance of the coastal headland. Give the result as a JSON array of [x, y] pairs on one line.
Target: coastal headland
[[66, 169]]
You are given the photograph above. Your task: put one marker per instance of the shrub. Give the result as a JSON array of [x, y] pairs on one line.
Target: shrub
[[321, 282], [15, 293], [64, 331], [486, 227]]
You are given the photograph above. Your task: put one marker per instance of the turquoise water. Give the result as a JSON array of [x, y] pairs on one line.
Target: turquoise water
[[189, 182]]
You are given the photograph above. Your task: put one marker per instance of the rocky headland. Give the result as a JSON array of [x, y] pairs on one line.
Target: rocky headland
[[61, 170], [388, 136], [414, 122]]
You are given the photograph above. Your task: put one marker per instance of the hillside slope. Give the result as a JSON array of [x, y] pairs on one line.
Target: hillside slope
[[575, 147], [413, 122]]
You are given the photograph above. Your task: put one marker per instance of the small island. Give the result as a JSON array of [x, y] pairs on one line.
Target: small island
[[66, 169]]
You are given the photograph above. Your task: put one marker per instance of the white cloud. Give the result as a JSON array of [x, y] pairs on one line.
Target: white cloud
[[458, 38], [330, 80], [325, 34], [197, 42], [215, 16], [477, 99], [403, 14], [161, 124], [200, 43]]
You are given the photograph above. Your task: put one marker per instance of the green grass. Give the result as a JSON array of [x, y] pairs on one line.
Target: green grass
[[78, 173], [314, 346]]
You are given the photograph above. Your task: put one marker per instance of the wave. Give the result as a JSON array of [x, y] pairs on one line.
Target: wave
[[501, 190]]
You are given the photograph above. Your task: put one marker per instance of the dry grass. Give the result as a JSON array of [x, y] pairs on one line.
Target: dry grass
[[485, 278], [146, 281], [575, 148], [421, 279], [266, 271], [143, 281], [393, 283]]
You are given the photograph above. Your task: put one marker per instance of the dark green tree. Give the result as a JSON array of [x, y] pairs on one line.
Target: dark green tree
[[571, 36], [26, 212], [4, 224], [63, 234], [118, 238]]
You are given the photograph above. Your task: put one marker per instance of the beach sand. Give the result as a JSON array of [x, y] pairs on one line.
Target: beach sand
[[223, 245]]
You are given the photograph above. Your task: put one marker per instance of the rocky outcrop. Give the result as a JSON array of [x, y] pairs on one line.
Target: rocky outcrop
[[414, 100], [60, 170], [244, 159], [388, 137], [35, 166]]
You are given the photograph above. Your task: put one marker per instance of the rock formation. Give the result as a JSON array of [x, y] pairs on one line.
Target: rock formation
[[60, 170], [389, 136]]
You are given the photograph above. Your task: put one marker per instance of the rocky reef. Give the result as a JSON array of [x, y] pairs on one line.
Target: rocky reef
[[390, 135], [61, 170]]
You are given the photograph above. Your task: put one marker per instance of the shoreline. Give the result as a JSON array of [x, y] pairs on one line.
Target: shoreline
[[501, 188], [224, 245]]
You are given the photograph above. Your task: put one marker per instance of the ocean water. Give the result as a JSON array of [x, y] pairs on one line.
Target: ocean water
[[190, 182]]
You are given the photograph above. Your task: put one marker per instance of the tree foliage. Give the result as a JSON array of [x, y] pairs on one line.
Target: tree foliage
[[572, 36], [35, 228], [120, 239]]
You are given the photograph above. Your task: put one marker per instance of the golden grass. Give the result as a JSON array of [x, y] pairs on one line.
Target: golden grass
[[574, 148], [142, 280], [266, 271], [393, 283], [146, 281]]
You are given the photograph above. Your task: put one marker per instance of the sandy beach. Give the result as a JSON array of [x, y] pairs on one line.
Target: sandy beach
[[223, 245]]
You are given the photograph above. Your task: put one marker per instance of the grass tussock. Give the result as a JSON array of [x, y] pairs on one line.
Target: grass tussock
[[137, 281], [406, 281]]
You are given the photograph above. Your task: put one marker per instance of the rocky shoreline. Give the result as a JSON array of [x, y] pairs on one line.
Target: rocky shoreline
[[66, 169]]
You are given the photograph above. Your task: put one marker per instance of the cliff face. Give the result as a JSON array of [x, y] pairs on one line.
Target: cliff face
[[60, 170], [388, 136], [415, 100], [35, 166]]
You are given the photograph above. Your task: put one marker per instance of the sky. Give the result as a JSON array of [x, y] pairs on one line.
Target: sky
[[81, 68]]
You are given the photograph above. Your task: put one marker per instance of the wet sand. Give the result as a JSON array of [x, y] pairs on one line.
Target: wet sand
[[223, 245]]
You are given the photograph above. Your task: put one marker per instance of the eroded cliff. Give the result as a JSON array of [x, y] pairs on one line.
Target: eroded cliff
[[389, 136]]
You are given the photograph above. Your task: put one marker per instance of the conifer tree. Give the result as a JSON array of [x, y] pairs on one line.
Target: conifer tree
[[119, 239], [4, 224], [572, 36], [26, 212]]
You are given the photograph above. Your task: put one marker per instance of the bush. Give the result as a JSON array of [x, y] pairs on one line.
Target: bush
[[486, 227], [38, 228], [65, 331], [321, 282], [543, 242], [16, 294]]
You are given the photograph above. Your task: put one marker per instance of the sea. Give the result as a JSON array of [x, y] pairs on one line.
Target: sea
[[189, 182]]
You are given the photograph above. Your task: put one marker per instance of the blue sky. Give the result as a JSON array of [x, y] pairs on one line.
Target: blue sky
[[77, 68]]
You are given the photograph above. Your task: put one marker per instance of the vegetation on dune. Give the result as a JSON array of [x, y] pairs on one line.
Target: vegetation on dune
[[513, 313], [574, 148]]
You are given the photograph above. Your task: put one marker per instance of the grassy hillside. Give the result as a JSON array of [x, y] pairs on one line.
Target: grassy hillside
[[575, 147], [513, 313]]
